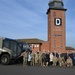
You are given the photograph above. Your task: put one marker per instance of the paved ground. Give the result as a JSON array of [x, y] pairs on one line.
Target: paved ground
[[18, 69]]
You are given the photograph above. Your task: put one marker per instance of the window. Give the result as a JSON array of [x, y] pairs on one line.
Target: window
[[61, 41], [54, 40], [37, 45], [19, 50], [59, 5], [6, 43], [61, 47], [51, 5], [54, 46], [32, 46], [13, 46]]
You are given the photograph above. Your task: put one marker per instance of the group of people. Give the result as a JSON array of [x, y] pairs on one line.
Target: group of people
[[45, 59]]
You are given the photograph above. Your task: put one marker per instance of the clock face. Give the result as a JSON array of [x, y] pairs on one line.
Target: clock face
[[57, 21]]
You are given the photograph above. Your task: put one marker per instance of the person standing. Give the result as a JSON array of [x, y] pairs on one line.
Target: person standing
[[25, 58], [43, 58], [33, 58], [55, 59], [47, 59], [29, 58], [36, 58], [51, 58], [40, 58]]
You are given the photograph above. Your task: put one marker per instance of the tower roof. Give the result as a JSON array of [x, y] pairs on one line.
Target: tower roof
[[56, 4]]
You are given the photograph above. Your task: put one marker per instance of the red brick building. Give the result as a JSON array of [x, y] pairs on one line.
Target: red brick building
[[40, 45], [56, 31], [56, 26]]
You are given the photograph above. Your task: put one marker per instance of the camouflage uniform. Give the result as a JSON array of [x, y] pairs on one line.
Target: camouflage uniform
[[25, 57], [36, 58], [69, 62], [61, 61], [55, 59], [40, 59], [33, 59]]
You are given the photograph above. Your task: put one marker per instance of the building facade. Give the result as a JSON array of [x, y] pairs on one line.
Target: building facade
[[56, 31]]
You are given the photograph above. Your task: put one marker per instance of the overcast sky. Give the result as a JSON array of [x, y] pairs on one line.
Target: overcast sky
[[28, 19]]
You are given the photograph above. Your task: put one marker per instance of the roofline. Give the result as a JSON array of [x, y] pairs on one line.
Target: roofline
[[55, 9], [35, 43]]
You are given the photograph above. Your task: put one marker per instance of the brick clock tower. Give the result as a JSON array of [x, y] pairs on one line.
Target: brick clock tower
[[56, 26]]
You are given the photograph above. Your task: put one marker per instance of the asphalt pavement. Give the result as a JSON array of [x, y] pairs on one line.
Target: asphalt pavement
[[18, 69]]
